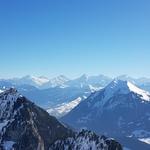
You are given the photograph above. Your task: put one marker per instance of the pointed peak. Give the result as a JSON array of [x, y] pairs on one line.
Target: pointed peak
[[125, 87], [118, 83]]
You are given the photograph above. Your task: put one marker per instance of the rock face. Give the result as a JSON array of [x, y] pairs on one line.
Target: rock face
[[86, 140], [25, 126]]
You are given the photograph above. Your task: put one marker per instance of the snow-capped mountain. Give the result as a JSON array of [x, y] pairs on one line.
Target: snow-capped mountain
[[119, 110], [84, 81], [30, 80], [56, 82], [49, 93], [142, 82], [25, 126], [96, 82], [39, 82]]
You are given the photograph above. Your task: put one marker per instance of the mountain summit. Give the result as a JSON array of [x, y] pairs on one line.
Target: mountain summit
[[125, 87], [120, 110]]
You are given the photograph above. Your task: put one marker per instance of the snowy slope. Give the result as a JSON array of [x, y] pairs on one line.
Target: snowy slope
[[64, 108], [57, 81], [32, 80], [120, 110], [84, 81]]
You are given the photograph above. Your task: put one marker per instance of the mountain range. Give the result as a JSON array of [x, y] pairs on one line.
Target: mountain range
[[60, 93], [62, 81], [25, 126]]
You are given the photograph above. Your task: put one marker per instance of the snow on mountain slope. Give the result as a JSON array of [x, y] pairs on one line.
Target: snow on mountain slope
[[87, 81], [57, 81], [86, 140], [25, 126], [8, 100], [117, 110], [146, 140], [40, 80], [32, 80], [64, 108], [120, 87], [143, 94], [43, 82], [125, 87]]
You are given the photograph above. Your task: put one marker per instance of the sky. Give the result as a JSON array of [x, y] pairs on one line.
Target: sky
[[73, 37]]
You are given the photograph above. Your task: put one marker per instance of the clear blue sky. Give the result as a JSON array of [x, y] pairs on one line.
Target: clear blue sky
[[71, 37]]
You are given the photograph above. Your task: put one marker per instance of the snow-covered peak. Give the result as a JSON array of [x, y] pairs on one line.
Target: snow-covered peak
[[144, 94], [40, 80], [125, 87], [37, 80], [58, 81]]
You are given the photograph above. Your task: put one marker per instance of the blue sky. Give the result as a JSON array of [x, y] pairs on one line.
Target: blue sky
[[73, 37]]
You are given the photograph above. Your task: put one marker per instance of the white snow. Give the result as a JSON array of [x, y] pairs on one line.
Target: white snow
[[94, 88], [118, 87], [146, 140], [124, 87], [58, 81], [1, 91], [144, 94], [40, 80], [64, 108], [32, 80]]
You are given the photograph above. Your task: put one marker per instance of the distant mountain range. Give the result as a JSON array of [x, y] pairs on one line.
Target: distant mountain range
[[60, 92], [25, 126], [120, 110], [62, 81]]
